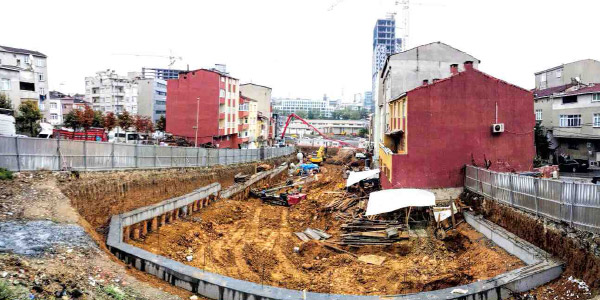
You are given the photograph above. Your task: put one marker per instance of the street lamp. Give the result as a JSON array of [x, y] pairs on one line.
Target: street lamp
[[196, 127]]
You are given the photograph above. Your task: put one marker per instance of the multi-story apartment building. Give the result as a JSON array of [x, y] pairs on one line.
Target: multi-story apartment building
[[164, 74], [385, 43], [203, 107], [152, 97], [109, 92], [567, 106], [247, 130], [368, 101], [435, 129], [262, 95], [53, 112], [23, 76], [286, 106], [409, 69]]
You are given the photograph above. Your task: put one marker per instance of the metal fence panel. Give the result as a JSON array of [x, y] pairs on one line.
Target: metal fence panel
[[37, 154], [191, 157], [146, 156], [124, 155], [72, 154], [8, 153], [577, 204], [98, 155]]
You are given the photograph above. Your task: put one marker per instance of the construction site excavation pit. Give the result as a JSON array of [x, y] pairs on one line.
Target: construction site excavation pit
[[250, 240]]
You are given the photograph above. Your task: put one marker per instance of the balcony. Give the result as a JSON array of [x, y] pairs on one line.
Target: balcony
[[221, 101], [243, 127], [221, 116], [243, 114], [397, 125]]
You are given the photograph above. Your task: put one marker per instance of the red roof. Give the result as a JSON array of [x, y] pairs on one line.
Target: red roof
[[595, 88], [550, 91]]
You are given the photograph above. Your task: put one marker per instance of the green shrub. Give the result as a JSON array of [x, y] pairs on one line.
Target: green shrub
[[5, 175], [8, 292]]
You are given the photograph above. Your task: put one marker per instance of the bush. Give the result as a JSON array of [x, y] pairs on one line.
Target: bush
[[8, 292], [5, 175]]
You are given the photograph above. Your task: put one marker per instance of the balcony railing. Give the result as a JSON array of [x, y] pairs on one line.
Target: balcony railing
[[243, 114], [221, 100], [243, 126], [222, 116]]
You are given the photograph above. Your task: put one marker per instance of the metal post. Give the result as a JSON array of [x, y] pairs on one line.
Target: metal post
[[85, 153], [155, 156], [575, 185], [536, 186], [112, 155], [512, 192], [17, 153], [136, 154], [59, 154], [476, 179]]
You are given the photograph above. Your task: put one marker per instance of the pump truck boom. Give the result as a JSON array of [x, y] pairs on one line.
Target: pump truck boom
[[293, 115]]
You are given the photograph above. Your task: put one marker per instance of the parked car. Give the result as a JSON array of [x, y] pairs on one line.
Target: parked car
[[573, 165]]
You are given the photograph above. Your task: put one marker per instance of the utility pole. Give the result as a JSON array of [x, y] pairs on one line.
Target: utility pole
[[196, 127]]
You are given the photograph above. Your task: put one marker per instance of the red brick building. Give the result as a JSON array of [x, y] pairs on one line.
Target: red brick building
[[436, 129], [217, 110]]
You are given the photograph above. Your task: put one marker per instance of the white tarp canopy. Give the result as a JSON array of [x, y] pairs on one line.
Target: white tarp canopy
[[390, 200], [356, 177]]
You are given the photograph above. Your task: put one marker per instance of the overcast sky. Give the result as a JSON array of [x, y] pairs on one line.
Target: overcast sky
[[299, 48]]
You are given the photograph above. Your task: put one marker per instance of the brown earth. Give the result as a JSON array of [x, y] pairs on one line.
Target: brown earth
[[253, 241]]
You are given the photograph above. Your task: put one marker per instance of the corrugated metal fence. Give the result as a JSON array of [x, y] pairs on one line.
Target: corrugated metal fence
[[30, 154], [577, 204]]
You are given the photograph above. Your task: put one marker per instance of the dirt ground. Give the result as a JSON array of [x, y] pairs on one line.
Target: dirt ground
[[253, 241]]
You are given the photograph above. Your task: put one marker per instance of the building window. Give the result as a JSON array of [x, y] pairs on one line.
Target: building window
[[596, 97], [42, 91], [543, 77], [53, 117], [570, 120], [222, 93], [41, 76], [559, 73], [5, 84], [26, 60], [569, 99], [39, 63], [596, 120], [222, 79], [53, 105]]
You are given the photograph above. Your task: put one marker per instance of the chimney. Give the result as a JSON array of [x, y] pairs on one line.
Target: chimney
[[425, 82], [468, 65], [436, 80], [454, 69]]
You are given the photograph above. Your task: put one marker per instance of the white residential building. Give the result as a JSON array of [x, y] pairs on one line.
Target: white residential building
[[289, 105], [53, 112], [109, 92], [23, 76], [336, 127]]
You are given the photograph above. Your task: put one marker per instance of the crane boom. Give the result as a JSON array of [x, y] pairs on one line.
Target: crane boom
[[293, 115]]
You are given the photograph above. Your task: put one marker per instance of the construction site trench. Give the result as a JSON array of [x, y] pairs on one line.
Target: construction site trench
[[247, 239]]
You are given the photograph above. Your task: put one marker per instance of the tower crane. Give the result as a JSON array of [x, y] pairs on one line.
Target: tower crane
[[172, 58]]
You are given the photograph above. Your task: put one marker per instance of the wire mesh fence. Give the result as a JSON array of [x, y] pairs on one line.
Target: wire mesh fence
[[577, 204], [32, 154]]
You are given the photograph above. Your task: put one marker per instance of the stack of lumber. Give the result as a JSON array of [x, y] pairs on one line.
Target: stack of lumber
[[341, 204], [372, 232]]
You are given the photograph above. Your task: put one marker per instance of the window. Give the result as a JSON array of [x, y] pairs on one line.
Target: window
[[26, 60], [543, 77], [5, 84], [41, 76], [39, 63], [53, 117], [559, 73], [53, 105], [222, 92], [570, 120], [596, 120], [18, 62], [596, 97], [42, 91], [569, 99], [222, 79]]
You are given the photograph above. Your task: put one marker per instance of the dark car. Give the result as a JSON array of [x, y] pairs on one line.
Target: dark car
[[573, 165]]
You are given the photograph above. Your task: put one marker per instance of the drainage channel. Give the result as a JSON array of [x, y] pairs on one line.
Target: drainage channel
[[540, 269]]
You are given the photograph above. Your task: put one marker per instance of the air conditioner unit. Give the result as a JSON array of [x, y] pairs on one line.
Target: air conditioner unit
[[498, 127]]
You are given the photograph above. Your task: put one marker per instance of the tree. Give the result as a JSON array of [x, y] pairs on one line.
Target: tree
[[161, 123], [86, 118], [72, 121], [28, 118], [542, 145], [98, 119], [302, 114], [110, 121], [125, 120], [143, 124], [5, 101], [363, 132]]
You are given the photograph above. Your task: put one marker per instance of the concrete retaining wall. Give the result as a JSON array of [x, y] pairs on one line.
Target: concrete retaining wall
[[539, 270]]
